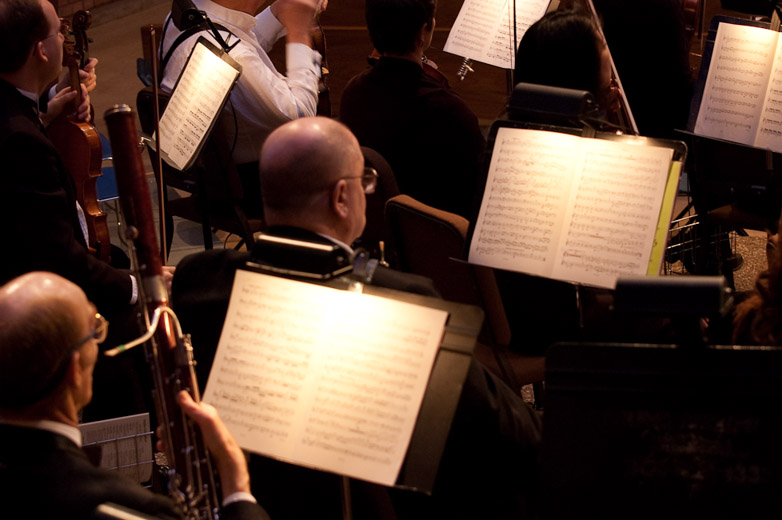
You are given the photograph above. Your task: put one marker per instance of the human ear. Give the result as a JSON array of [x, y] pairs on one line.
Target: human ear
[[74, 370], [339, 199], [39, 52]]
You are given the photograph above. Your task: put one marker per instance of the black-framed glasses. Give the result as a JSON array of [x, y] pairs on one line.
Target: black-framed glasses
[[98, 333], [368, 179]]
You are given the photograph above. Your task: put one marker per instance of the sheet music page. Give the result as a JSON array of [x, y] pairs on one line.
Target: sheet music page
[[125, 444], [613, 211], [770, 127], [483, 30], [324, 378], [196, 101], [523, 207], [736, 83]]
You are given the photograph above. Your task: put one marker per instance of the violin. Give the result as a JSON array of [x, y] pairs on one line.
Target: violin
[[78, 142]]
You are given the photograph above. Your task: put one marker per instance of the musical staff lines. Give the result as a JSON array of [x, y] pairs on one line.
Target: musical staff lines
[[570, 208], [341, 393], [483, 30], [744, 69]]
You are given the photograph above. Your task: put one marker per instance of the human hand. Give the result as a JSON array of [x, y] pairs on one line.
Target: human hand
[[87, 76], [168, 275], [231, 464], [84, 110], [297, 16], [57, 104]]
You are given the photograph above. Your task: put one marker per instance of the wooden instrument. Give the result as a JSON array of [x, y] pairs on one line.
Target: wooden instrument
[[78, 142], [191, 478], [624, 116]]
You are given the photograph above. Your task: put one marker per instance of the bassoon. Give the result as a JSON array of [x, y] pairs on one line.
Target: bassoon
[[190, 476]]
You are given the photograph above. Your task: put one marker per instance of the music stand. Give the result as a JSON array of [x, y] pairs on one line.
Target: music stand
[[443, 390], [658, 431], [636, 430], [732, 185]]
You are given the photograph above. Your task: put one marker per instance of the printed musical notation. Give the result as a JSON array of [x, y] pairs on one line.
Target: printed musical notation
[[194, 104], [125, 445], [742, 94], [570, 208], [483, 30], [320, 377]]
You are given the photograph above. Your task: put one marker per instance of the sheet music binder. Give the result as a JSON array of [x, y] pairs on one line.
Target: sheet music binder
[[443, 391], [678, 154], [196, 103], [725, 173]]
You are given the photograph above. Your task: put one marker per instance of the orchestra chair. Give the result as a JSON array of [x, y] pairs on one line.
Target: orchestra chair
[[213, 183], [376, 230], [430, 242]]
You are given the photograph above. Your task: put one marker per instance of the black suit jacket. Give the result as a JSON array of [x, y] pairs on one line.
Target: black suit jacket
[[45, 475], [38, 210], [489, 468]]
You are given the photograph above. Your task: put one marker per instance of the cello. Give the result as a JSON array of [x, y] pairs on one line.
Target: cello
[[78, 142]]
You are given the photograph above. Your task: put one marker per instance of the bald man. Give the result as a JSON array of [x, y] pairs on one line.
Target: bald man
[[49, 335], [314, 188]]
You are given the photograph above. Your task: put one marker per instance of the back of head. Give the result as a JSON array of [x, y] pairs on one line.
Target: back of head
[[301, 159], [22, 25], [562, 49], [394, 24], [37, 330]]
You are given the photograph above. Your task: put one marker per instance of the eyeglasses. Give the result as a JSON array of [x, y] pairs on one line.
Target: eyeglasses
[[368, 179], [98, 333]]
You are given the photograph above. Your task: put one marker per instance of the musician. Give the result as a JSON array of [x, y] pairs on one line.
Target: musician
[[37, 196], [263, 98], [424, 130], [49, 335], [313, 184], [565, 49]]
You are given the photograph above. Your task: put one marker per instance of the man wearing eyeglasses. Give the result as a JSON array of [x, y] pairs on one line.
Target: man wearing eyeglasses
[[38, 203], [314, 188], [49, 336]]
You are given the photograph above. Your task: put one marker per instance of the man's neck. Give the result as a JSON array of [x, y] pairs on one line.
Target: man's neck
[[27, 82], [415, 56]]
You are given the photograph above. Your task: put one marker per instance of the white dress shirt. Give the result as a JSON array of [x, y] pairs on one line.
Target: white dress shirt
[[263, 98]]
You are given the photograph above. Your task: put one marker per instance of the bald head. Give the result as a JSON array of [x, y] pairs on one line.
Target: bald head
[[39, 322], [300, 161]]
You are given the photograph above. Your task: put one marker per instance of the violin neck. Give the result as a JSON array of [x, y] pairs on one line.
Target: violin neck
[[75, 84]]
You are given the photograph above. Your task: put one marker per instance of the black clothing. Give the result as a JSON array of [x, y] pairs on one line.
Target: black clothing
[[45, 475], [38, 209], [489, 467], [424, 130]]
